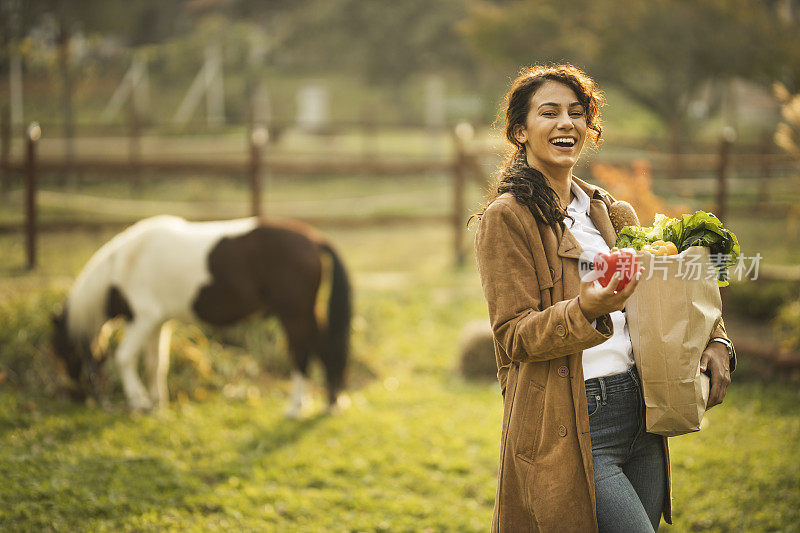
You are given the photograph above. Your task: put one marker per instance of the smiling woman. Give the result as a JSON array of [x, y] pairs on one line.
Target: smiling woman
[[547, 322], [574, 452]]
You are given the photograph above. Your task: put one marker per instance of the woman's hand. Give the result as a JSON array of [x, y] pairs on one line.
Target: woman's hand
[[715, 360], [596, 300]]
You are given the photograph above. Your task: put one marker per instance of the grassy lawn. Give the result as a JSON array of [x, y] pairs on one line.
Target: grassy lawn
[[412, 454], [416, 450]]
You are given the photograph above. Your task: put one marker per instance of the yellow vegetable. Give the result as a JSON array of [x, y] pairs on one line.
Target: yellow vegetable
[[659, 248]]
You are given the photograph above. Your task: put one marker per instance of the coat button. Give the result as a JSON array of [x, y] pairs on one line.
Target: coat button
[[563, 371], [561, 331], [562, 430], [552, 273]]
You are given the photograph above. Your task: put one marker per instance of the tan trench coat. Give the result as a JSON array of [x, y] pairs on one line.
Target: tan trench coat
[[530, 280]]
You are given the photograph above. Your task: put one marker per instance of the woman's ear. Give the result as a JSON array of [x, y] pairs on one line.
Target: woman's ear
[[520, 134]]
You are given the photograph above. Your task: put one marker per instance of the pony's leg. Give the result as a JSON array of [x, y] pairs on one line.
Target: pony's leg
[[157, 364], [151, 364], [127, 357], [298, 401], [163, 363], [300, 336]]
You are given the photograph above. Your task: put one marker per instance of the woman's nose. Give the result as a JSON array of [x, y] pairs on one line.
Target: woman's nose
[[565, 122]]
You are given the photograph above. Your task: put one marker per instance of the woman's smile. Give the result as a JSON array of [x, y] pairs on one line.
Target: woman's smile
[[564, 143], [554, 130]]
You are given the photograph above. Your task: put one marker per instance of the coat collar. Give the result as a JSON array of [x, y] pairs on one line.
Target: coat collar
[[598, 212], [581, 202], [592, 191]]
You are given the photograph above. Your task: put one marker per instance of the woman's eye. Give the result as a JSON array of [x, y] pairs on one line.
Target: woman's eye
[[577, 113]]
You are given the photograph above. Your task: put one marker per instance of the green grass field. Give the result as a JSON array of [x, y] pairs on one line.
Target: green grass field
[[416, 450]]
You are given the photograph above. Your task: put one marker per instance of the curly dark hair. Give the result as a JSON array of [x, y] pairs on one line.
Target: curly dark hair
[[528, 185]]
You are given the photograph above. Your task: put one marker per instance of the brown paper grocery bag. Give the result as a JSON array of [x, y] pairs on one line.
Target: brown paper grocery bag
[[671, 316]]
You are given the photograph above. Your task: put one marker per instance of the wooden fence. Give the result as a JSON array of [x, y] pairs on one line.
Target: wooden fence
[[461, 166], [466, 163]]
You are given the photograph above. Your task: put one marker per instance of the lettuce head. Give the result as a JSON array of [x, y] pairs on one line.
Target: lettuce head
[[632, 237]]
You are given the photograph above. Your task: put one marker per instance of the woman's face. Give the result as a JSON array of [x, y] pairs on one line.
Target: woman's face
[[555, 128]]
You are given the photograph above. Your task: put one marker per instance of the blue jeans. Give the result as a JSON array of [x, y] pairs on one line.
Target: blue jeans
[[629, 469]]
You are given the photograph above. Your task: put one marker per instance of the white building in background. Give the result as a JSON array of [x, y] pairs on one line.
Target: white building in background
[[313, 107]]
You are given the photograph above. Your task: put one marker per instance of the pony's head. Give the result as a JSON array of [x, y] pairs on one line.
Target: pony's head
[[81, 366]]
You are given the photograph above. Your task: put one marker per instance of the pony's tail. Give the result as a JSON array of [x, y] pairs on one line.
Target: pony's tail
[[336, 336]]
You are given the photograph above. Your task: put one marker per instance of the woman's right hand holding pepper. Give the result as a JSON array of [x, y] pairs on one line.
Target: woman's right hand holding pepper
[[596, 300]]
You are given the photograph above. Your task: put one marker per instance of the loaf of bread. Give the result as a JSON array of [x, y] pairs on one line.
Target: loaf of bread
[[622, 214]]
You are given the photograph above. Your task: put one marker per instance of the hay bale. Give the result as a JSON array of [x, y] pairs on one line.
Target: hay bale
[[476, 350]]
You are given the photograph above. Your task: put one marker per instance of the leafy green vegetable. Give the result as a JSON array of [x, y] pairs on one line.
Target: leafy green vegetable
[[636, 237], [632, 237], [659, 224], [704, 229], [698, 229]]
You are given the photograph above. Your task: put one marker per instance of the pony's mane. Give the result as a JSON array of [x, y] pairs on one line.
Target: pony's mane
[[86, 301]]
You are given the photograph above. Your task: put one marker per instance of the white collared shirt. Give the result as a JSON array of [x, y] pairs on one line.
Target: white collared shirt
[[616, 354]]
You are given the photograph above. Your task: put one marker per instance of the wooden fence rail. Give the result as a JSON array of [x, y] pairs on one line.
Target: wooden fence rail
[[254, 167], [291, 165]]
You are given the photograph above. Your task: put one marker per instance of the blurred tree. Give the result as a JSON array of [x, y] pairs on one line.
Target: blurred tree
[[134, 23], [384, 40], [658, 52]]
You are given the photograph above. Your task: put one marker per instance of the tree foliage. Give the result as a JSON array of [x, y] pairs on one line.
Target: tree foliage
[[658, 52], [384, 40]]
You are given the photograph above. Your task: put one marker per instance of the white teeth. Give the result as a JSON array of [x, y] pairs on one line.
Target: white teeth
[[564, 140]]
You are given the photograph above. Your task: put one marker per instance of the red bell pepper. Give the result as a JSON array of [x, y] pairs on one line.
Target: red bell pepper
[[622, 261]]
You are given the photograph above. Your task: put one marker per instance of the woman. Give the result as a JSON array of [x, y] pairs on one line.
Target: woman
[[574, 452]]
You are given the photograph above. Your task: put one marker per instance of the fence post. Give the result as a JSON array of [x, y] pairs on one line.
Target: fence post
[[135, 146], [474, 166], [258, 139], [5, 150], [462, 133], [726, 140], [369, 134], [33, 133], [764, 168]]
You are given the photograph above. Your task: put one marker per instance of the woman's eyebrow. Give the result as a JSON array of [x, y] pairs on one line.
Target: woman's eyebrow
[[554, 104]]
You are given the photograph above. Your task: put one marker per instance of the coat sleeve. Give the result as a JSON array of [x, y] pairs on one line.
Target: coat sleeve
[[525, 331]]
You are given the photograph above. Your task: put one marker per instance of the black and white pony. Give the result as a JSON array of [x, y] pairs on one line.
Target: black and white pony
[[164, 268]]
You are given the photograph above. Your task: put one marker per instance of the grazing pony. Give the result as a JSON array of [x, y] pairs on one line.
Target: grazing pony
[[164, 268]]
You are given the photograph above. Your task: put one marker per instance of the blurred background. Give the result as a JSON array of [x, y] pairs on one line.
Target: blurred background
[[377, 122]]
